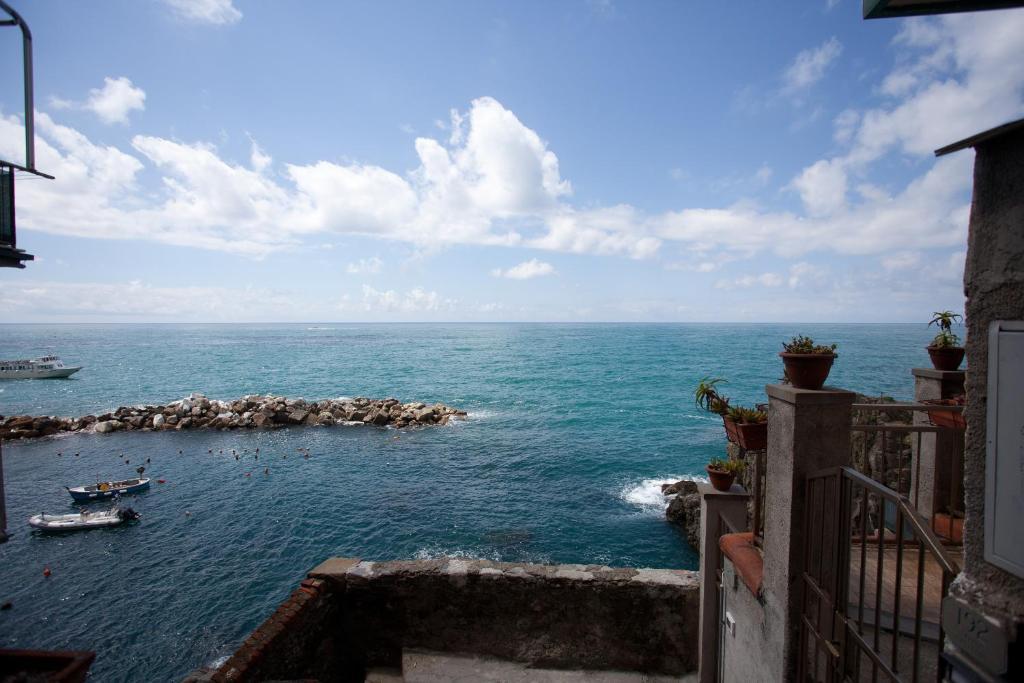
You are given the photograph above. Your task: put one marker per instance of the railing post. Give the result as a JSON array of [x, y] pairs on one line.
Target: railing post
[[718, 511], [808, 431], [933, 464]]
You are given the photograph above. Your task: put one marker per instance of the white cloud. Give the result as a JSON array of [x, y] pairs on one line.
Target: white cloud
[[364, 266], [417, 300], [259, 159], [525, 270], [822, 187], [901, 260], [494, 181], [805, 274], [112, 103], [216, 12], [810, 65], [745, 281]]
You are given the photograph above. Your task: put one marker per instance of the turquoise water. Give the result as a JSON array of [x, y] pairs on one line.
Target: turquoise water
[[571, 429]]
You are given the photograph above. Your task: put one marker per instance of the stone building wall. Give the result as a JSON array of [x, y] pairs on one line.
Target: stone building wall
[[994, 285]]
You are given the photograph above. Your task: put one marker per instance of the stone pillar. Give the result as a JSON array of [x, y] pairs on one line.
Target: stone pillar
[[715, 505], [932, 464], [808, 431]]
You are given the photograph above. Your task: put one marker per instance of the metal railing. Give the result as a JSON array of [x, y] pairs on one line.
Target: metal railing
[[757, 488], [897, 443], [866, 549]]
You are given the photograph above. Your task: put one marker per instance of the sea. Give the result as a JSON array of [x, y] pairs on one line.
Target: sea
[[572, 428]]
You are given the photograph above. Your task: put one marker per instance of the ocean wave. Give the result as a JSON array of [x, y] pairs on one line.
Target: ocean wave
[[439, 553], [647, 494]]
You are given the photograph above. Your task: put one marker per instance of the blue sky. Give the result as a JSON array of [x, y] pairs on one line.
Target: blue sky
[[225, 160]]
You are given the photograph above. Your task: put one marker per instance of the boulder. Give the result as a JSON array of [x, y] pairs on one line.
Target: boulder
[[684, 510], [107, 426]]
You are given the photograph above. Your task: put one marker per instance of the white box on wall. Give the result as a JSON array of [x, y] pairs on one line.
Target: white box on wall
[[1004, 462]]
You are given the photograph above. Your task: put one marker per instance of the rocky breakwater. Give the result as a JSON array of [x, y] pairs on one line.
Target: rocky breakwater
[[249, 412]]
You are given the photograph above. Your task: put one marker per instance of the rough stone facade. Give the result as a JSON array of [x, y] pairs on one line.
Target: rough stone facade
[[994, 285], [249, 412], [349, 616]]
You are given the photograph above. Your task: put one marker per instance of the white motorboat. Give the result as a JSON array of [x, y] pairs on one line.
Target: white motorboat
[[47, 367], [83, 520]]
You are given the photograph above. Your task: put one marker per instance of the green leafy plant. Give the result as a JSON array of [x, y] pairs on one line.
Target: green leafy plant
[[741, 415], [731, 466], [945, 320], [805, 345], [707, 397]]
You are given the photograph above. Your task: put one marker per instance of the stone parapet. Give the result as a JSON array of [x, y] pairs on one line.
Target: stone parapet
[[352, 615]]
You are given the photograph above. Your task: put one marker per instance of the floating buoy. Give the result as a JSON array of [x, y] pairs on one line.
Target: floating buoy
[[161, 481], [179, 452], [46, 572]]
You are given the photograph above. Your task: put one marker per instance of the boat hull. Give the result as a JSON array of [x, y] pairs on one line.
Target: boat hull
[[84, 494], [79, 522], [56, 373]]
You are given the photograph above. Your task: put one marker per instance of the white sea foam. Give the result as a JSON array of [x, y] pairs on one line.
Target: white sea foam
[[647, 494]]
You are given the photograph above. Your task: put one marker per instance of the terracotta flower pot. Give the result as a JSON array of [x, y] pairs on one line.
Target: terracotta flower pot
[[748, 436], [946, 357], [807, 370], [722, 481], [946, 418]]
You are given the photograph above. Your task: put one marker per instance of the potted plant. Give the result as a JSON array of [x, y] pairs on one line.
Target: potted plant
[[722, 473], [807, 364], [945, 350], [947, 418], [745, 427]]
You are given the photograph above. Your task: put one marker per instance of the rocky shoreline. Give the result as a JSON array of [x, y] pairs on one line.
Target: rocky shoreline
[[249, 412]]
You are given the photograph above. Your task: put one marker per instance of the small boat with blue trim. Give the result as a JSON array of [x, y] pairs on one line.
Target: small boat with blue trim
[[83, 520], [107, 489]]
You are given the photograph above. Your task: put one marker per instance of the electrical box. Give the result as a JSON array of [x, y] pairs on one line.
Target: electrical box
[[1004, 463]]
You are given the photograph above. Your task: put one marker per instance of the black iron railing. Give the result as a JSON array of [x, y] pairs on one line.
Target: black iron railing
[[874, 577], [887, 444]]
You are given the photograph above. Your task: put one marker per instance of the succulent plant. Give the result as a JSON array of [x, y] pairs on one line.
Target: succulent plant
[[945, 320], [731, 466], [805, 345]]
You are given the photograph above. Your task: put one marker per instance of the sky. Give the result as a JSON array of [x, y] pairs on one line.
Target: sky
[[576, 160]]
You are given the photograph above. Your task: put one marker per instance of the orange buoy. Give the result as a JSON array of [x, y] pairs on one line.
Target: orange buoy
[[161, 481], [46, 572]]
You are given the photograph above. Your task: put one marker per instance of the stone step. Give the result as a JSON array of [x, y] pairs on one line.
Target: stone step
[[442, 667]]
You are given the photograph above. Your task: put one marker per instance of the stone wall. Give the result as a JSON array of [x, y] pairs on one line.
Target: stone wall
[[350, 616], [994, 285]]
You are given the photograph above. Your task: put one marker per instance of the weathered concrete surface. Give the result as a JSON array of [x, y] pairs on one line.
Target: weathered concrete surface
[[994, 285], [357, 616], [931, 478], [434, 667], [561, 616], [807, 431], [718, 512]]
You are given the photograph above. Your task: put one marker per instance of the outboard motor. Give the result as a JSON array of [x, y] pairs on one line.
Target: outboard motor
[[127, 514]]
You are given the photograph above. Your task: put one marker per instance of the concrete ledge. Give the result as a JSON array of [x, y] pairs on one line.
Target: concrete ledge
[[352, 616], [931, 373], [709, 491], [823, 396]]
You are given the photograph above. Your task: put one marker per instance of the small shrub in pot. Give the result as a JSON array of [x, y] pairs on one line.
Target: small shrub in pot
[[807, 364], [945, 350], [722, 473]]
